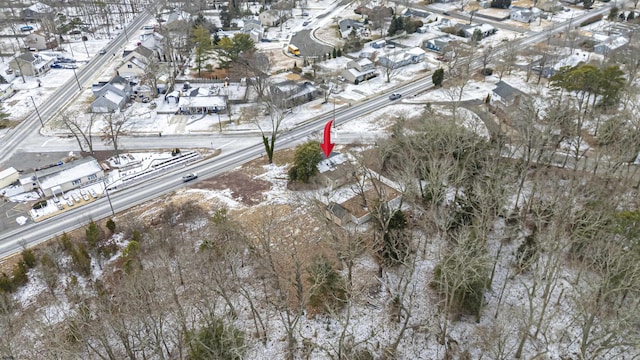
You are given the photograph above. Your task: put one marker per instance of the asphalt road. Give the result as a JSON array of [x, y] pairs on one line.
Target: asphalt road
[[31, 234], [62, 96]]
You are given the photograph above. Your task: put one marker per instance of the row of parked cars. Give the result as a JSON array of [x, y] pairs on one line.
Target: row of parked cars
[[71, 198]]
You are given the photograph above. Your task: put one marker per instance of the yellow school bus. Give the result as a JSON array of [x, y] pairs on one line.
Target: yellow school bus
[[294, 50]]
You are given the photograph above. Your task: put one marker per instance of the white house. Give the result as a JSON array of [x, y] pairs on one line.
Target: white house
[[609, 44], [523, 14], [402, 58], [59, 179], [271, 18]]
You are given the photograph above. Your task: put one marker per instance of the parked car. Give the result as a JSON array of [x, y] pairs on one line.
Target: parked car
[[26, 28], [305, 14], [189, 177], [55, 66], [75, 197], [85, 197], [75, 32], [65, 60], [394, 96], [307, 22], [93, 193], [69, 202]]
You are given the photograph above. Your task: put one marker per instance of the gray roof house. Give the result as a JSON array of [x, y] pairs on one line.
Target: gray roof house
[[416, 13], [505, 95], [348, 25], [31, 64], [110, 96], [439, 43], [36, 11], [294, 92]]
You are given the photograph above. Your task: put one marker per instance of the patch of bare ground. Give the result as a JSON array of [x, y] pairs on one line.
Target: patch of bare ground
[[245, 189]]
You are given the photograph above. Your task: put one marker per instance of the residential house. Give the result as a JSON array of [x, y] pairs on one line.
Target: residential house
[[338, 214], [110, 96], [36, 41], [134, 63], [271, 17], [468, 30], [415, 13], [505, 96], [549, 5], [57, 180], [8, 176], [293, 92], [153, 41], [359, 70], [6, 91], [439, 43], [202, 100], [404, 57], [609, 44], [348, 25], [31, 64], [523, 14], [6, 73], [177, 19], [254, 28], [36, 11]]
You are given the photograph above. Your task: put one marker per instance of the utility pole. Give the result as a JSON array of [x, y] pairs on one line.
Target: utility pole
[[77, 81], [37, 112], [104, 181]]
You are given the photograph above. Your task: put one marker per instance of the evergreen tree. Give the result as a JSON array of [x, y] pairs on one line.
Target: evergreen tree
[[438, 77]]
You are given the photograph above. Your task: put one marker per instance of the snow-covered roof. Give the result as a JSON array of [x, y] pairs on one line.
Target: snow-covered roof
[[330, 163], [57, 175], [8, 172], [202, 101], [112, 97], [40, 8]]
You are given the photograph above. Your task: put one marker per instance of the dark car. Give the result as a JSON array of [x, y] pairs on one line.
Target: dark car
[[446, 13], [189, 177], [55, 66], [306, 23], [394, 96]]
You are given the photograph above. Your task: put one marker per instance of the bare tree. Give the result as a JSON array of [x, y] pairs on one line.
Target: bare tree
[[80, 128], [276, 106], [115, 126]]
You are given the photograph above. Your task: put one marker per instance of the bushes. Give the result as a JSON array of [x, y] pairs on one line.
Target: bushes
[[327, 287], [462, 277], [39, 205], [19, 275], [216, 340], [305, 162]]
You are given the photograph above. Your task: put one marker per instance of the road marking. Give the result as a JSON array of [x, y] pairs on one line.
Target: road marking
[[225, 144]]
